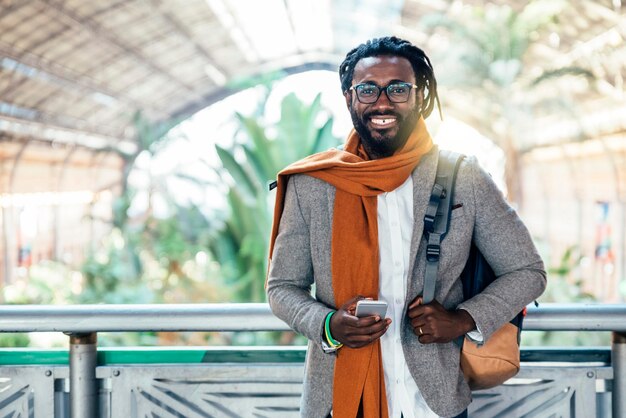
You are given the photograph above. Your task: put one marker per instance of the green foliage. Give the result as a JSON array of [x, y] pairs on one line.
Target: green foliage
[[14, 340], [491, 41], [241, 245], [488, 59], [488, 64], [47, 282], [150, 259], [114, 274]]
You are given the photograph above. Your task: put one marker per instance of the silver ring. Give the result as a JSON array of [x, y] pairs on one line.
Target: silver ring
[[420, 330]]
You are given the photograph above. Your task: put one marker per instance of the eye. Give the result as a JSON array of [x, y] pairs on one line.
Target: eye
[[398, 89], [367, 90]]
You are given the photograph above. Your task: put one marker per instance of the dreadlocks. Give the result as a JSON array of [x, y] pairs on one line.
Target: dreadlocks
[[390, 45]]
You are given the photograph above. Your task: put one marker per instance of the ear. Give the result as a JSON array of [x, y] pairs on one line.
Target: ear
[[420, 98]]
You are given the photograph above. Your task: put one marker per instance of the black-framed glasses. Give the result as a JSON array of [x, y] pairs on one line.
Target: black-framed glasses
[[368, 93]]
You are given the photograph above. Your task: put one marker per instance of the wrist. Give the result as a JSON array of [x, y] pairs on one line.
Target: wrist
[[466, 322], [327, 331]]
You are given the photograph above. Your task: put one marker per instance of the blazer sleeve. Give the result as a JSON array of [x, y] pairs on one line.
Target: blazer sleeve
[[291, 272], [507, 246]]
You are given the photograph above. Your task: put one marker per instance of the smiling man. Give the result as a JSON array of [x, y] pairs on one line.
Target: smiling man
[[350, 221], [384, 124]]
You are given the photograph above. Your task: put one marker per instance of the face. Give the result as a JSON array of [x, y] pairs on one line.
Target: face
[[384, 126]]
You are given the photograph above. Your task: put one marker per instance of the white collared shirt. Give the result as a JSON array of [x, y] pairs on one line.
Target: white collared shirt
[[395, 227]]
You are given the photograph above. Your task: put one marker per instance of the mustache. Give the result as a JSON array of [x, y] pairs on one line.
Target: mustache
[[379, 113]]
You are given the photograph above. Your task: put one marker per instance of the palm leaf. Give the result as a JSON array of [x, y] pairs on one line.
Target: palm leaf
[[259, 141], [560, 72], [237, 172]]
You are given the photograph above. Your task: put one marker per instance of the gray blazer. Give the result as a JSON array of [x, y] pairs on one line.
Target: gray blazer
[[302, 259]]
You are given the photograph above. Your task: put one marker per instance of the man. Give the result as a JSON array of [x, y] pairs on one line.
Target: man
[[351, 222]]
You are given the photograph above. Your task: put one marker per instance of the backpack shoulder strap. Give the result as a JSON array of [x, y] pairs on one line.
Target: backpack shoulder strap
[[437, 216]]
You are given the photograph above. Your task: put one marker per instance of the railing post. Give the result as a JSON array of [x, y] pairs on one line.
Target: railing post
[[618, 359], [83, 384]]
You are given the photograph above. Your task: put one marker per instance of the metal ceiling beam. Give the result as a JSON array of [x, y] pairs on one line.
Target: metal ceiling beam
[[200, 49], [10, 138], [90, 26], [16, 22], [61, 75], [56, 120], [192, 107], [44, 131], [292, 25], [15, 6], [233, 27], [16, 80], [109, 6]]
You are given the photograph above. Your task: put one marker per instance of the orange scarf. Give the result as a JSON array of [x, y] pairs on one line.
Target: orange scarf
[[358, 180]]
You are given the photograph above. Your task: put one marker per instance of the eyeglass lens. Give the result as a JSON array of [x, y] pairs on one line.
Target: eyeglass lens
[[396, 92]]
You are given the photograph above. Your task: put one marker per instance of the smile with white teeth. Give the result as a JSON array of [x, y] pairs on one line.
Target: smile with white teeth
[[383, 121]]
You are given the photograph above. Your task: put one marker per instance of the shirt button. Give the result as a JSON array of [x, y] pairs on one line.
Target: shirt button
[[398, 301], [398, 381], [397, 264]]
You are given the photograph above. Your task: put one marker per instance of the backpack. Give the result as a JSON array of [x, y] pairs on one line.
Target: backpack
[[487, 364]]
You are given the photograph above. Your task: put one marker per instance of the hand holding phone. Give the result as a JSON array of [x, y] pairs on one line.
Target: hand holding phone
[[368, 307], [358, 332]]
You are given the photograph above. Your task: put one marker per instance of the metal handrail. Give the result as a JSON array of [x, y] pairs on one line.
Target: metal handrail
[[253, 317], [83, 322]]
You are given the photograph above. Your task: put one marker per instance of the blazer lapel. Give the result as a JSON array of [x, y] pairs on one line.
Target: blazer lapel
[[423, 180]]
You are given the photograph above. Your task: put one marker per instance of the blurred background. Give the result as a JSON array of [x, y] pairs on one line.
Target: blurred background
[[137, 138]]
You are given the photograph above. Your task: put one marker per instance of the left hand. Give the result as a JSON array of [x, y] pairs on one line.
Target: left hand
[[432, 323]]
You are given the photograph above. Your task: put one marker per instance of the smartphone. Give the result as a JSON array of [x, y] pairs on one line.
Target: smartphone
[[368, 307]]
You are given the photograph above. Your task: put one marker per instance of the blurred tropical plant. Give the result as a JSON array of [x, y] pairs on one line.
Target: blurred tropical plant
[[114, 272], [487, 65], [151, 257], [189, 254], [46, 282], [262, 150]]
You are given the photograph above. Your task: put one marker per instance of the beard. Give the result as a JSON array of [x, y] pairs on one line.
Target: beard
[[380, 144]]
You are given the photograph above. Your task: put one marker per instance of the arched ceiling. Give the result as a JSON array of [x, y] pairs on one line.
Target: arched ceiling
[[75, 71]]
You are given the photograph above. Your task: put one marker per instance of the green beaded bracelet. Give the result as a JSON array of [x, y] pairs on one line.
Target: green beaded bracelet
[[329, 338]]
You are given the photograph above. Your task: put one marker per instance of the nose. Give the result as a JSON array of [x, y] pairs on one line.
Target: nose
[[383, 101]]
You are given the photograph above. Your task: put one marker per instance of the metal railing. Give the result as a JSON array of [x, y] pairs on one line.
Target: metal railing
[[82, 323]]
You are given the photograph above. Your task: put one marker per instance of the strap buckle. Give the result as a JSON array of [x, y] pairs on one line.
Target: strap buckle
[[432, 252]]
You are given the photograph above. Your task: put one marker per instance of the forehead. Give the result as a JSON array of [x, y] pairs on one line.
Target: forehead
[[383, 69]]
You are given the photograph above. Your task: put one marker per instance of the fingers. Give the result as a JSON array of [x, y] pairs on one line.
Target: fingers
[[418, 322], [418, 309], [419, 327], [350, 320], [350, 305], [367, 325], [357, 332], [417, 301], [361, 340], [352, 302], [433, 331], [425, 334]]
